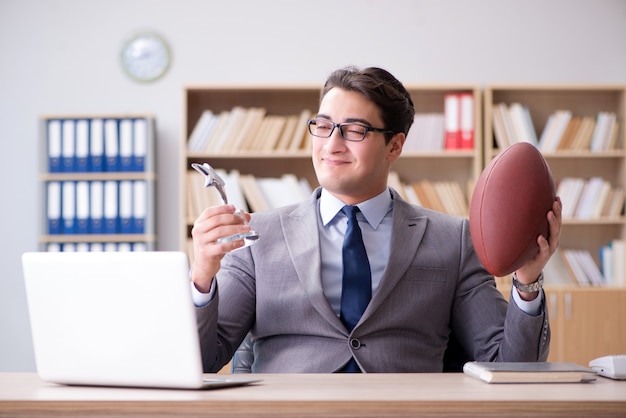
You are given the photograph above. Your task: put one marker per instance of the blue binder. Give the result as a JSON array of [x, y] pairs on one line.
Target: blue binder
[[54, 207], [126, 206], [126, 144], [82, 207], [140, 144], [96, 207], [140, 202], [68, 147], [96, 145], [111, 145], [54, 145], [82, 145], [68, 207], [111, 214]]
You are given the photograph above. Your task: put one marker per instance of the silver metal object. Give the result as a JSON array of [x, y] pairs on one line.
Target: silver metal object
[[212, 179]]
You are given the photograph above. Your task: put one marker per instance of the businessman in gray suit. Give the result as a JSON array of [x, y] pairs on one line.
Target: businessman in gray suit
[[426, 284]]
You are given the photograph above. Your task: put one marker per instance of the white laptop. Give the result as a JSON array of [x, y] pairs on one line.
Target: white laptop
[[115, 319]]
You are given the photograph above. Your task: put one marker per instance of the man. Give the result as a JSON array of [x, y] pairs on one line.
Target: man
[[428, 288]]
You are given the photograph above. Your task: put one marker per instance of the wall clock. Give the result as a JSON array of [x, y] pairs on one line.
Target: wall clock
[[145, 57]]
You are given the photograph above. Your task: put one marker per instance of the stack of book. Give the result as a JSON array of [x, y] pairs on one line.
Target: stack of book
[[249, 130], [443, 196], [593, 198], [564, 131], [245, 191]]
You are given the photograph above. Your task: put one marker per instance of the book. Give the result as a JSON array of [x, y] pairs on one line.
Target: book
[[466, 120], [451, 124], [528, 372]]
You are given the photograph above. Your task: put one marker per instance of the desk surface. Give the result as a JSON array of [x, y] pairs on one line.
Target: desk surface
[[451, 394]]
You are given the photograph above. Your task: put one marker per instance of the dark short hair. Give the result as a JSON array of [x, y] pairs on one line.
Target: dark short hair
[[380, 87]]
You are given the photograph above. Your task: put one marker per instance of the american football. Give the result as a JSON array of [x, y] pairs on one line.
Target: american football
[[509, 206]]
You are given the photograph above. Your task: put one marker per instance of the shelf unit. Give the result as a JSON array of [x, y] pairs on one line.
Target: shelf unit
[[581, 100], [457, 165], [133, 233], [586, 322]]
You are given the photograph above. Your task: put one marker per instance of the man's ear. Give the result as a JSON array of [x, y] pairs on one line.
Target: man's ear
[[394, 147]]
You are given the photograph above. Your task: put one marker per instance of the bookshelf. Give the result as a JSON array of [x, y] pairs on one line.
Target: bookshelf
[[462, 166], [542, 101], [586, 321], [97, 183]]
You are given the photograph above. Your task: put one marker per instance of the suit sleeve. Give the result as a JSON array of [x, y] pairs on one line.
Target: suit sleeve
[[487, 326]]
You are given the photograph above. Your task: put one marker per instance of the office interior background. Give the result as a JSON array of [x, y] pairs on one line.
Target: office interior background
[[62, 57]]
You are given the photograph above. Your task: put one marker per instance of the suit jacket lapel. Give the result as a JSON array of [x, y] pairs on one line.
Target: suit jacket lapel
[[301, 233]]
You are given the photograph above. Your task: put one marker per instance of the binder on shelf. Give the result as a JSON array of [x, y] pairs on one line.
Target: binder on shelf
[[451, 113], [96, 145], [68, 146], [140, 203], [96, 247], [140, 144], [111, 145], [54, 145], [54, 207], [96, 207], [82, 207], [466, 120], [68, 207], [53, 247], [111, 214], [82, 145], [126, 145], [124, 247], [126, 206]]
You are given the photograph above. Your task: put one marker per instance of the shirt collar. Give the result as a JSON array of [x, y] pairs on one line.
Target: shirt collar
[[373, 210]]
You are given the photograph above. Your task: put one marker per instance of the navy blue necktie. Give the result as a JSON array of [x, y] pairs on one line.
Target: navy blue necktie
[[356, 289]]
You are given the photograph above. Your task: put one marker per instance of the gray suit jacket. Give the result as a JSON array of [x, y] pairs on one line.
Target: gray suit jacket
[[433, 286]]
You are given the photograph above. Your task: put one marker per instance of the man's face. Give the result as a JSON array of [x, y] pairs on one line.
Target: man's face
[[353, 171]]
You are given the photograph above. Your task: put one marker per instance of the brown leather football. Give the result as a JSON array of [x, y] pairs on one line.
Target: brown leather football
[[508, 208]]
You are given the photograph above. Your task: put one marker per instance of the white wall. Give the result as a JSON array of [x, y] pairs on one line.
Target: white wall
[[61, 56]]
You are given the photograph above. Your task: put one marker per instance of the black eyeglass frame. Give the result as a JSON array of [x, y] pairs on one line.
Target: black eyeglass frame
[[341, 125]]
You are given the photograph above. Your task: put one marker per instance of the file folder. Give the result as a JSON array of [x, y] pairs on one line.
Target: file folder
[[54, 146], [54, 207], [111, 145], [68, 207], [140, 202], [140, 144], [82, 145], [126, 144], [96, 207], [82, 207], [68, 150], [126, 206], [96, 145], [111, 215]]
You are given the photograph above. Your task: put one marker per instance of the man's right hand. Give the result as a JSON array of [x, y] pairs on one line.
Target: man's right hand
[[215, 222]]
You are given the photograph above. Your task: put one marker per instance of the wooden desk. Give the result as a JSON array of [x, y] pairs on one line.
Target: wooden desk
[[24, 394]]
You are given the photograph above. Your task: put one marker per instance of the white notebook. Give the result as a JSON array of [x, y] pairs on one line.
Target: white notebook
[[115, 319]]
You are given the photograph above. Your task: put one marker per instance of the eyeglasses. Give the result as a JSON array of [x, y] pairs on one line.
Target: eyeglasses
[[355, 132]]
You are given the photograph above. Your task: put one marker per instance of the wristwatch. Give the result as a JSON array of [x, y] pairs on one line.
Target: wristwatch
[[528, 288]]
